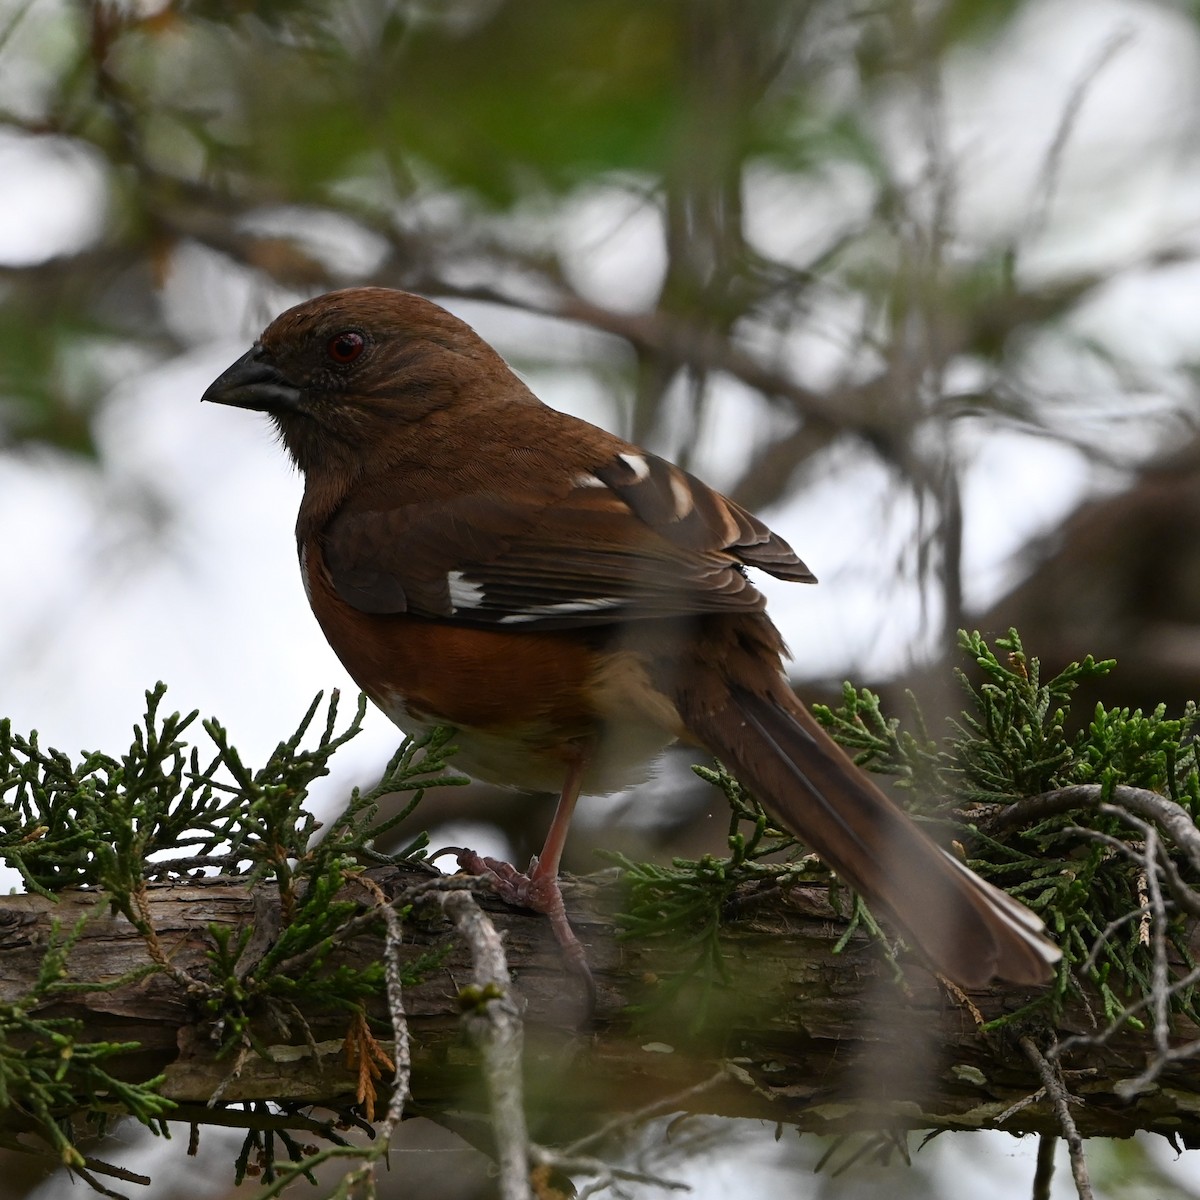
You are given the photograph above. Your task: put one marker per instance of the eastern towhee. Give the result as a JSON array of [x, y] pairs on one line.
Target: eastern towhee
[[571, 604]]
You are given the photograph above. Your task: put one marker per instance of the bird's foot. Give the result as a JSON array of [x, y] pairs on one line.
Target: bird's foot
[[537, 891]]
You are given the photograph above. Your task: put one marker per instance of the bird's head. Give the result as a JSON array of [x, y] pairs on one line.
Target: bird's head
[[343, 374]]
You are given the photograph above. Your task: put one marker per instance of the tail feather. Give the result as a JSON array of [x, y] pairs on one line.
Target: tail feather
[[970, 930]]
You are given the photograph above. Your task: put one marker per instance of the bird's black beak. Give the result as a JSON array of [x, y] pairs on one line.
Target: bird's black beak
[[254, 382]]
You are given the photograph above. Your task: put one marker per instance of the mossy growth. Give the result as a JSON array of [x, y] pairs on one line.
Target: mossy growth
[[993, 786], [167, 810]]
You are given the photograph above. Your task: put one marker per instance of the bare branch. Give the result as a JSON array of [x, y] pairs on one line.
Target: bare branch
[[1056, 1090], [493, 1023], [402, 1080], [1173, 819]]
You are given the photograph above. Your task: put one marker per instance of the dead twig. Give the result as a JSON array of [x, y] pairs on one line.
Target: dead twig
[[1171, 818], [494, 1026], [1047, 178], [627, 1121], [1150, 858], [1061, 1099], [402, 1048]]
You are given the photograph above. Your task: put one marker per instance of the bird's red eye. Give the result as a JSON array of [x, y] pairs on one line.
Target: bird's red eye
[[345, 347]]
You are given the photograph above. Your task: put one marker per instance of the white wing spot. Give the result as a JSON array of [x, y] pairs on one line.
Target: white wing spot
[[637, 464], [464, 592], [588, 480], [682, 494], [536, 612]]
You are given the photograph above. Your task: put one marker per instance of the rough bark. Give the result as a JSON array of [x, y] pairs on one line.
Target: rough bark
[[826, 1042]]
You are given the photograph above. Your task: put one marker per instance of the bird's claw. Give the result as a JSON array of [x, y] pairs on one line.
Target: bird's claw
[[538, 892]]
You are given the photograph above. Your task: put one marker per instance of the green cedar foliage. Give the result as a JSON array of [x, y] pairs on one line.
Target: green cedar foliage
[[988, 785], [169, 810]]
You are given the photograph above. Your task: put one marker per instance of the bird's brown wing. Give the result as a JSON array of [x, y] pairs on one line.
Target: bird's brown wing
[[633, 537]]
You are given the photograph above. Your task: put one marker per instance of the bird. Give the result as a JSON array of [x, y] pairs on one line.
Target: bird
[[570, 603]]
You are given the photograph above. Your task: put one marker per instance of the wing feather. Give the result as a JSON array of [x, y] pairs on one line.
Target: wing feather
[[634, 537]]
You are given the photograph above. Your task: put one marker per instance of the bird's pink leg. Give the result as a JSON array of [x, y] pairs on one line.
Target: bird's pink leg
[[538, 888]]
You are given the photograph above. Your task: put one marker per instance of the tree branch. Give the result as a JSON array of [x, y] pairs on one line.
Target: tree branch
[[797, 1028]]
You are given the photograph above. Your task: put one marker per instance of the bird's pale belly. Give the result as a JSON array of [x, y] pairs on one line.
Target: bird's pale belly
[[621, 754]]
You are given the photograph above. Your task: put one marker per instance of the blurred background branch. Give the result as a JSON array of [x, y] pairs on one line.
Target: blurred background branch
[[917, 278], [791, 211]]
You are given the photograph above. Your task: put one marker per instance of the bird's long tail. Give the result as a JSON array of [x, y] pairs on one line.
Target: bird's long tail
[[970, 930]]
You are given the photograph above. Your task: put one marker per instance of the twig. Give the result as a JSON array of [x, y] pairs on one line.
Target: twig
[[96, 1185], [605, 1174], [627, 1121], [1152, 858], [494, 1025], [1044, 1173], [1047, 179], [232, 1075], [252, 1118], [1171, 818], [363, 922], [1118, 1023], [1160, 979], [1127, 1089], [403, 1047], [143, 920], [1116, 923], [393, 977], [1024, 1102], [1160, 984], [1060, 1098], [1183, 895], [569, 1160]]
